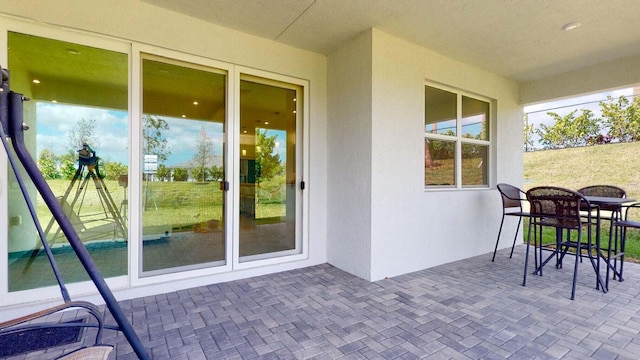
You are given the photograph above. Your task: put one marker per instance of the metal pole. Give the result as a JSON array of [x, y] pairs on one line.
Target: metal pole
[[15, 131]]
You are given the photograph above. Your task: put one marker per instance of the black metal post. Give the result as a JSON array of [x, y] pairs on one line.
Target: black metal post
[[13, 102]]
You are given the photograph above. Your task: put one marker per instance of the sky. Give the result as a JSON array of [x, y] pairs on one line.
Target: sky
[[54, 121], [537, 114]]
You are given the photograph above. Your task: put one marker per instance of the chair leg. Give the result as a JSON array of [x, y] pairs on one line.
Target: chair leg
[[526, 258], [575, 270], [623, 239], [515, 236], [498, 239]]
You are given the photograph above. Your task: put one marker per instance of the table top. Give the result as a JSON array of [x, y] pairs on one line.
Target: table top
[[601, 200]]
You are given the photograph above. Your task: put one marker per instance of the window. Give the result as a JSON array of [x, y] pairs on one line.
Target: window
[[456, 139]]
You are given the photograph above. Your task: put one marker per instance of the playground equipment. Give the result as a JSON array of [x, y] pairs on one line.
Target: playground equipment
[[12, 128]]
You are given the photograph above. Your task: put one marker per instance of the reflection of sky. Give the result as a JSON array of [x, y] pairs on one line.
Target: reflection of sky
[[182, 137], [537, 114], [54, 121], [471, 125]]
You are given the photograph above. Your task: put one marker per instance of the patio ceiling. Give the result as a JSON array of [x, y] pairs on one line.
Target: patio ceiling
[[521, 40]]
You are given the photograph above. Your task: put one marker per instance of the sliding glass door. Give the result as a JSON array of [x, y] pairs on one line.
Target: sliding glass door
[[183, 170], [268, 204], [78, 134]]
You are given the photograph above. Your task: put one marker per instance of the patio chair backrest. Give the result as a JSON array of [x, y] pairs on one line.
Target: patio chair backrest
[[603, 190], [511, 196], [606, 191], [556, 206]]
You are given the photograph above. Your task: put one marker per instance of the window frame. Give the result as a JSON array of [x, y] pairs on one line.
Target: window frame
[[459, 140]]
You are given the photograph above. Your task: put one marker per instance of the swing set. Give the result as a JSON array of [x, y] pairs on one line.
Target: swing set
[[12, 128]]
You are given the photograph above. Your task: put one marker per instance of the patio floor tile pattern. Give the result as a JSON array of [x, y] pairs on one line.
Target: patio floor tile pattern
[[469, 309]]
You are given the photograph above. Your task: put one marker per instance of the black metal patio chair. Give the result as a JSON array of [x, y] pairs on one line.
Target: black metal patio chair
[[512, 198], [560, 209], [630, 219]]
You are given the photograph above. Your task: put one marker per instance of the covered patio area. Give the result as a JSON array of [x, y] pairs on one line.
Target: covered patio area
[[468, 309]]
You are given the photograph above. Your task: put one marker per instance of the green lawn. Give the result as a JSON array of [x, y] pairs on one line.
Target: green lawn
[[175, 205], [613, 164]]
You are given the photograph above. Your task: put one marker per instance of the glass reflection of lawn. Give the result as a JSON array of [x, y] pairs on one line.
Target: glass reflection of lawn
[[176, 205]]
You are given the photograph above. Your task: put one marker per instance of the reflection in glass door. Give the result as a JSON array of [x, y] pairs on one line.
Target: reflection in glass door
[[267, 178], [78, 134], [183, 127]]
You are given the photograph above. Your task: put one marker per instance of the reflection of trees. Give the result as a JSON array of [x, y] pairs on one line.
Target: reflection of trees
[[164, 173], [48, 164], [204, 151], [180, 174], [267, 163], [153, 140], [82, 133], [68, 163]]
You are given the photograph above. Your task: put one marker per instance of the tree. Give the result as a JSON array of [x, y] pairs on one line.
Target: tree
[[216, 173], [199, 173], [153, 140], [68, 164], [163, 173], [622, 118], [569, 130], [47, 164], [83, 133], [204, 151], [527, 134], [113, 170], [180, 174], [267, 163]]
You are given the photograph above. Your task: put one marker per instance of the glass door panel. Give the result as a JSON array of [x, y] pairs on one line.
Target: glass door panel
[[267, 152], [183, 172], [78, 134]]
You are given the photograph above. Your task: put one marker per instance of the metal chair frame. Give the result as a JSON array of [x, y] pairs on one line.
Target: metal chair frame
[[621, 226], [562, 209], [512, 198]]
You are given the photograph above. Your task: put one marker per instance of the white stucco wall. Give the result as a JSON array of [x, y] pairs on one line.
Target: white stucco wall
[[349, 157], [140, 23], [410, 228]]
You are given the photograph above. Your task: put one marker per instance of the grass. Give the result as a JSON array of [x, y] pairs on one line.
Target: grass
[[166, 205], [613, 164]]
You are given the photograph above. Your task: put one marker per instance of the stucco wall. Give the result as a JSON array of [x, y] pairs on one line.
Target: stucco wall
[[410, 228], [349, 157]]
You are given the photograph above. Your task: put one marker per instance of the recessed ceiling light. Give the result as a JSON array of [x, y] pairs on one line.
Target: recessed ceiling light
[[36, 81], [571, 26], [195, 103], [54, 101], [184, 116]]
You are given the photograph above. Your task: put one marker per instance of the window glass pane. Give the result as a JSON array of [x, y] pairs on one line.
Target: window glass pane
[[474, 164], [79, 136], [269, 112], [183, 148], [440, 111], [475, 118], [439, 162]]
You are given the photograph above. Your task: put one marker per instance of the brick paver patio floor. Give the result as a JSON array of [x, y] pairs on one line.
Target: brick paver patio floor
[[469, 309]]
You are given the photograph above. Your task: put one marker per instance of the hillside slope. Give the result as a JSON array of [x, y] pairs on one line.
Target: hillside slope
[[613, 164]]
